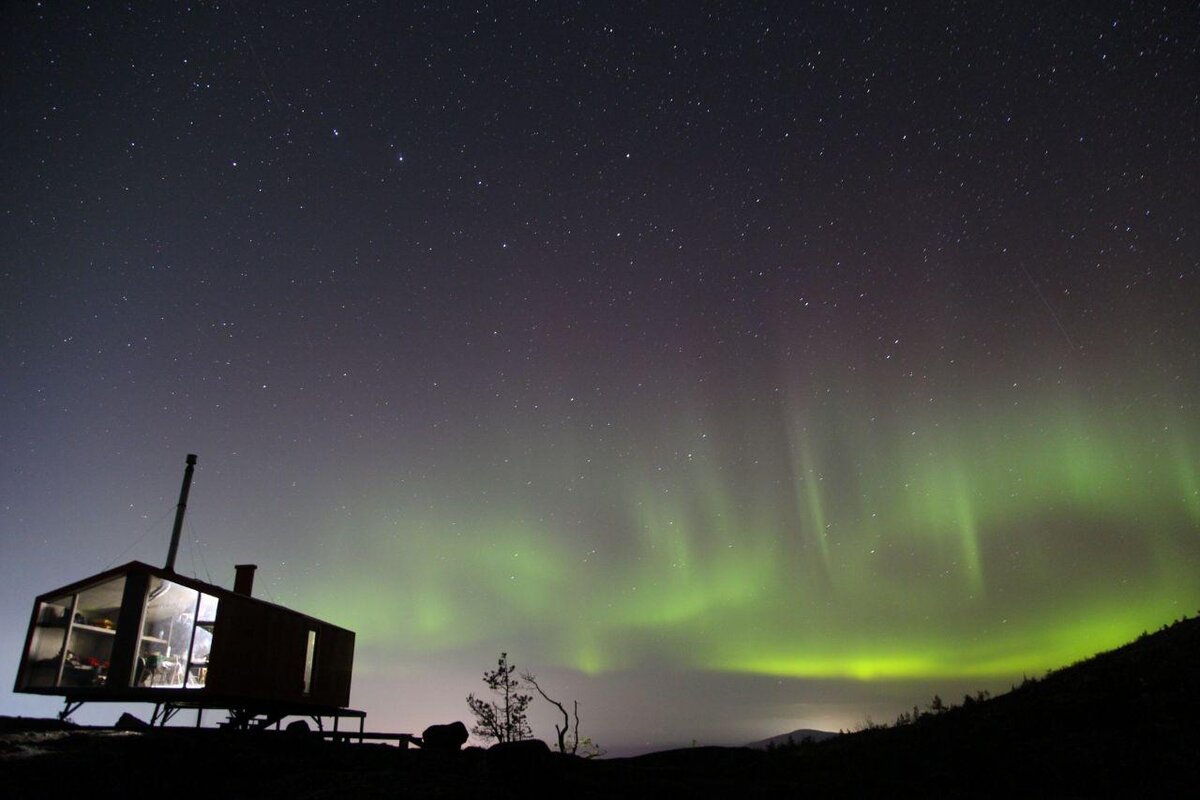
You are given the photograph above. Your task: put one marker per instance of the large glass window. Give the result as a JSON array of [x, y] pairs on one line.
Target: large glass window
[[73, 637], [176, 639], [206, 618]]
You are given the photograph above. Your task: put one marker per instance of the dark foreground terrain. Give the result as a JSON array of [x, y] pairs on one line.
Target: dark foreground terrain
[[1122, 723]]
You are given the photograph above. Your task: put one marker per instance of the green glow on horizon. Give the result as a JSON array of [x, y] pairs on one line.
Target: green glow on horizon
[[1011, 545], [1056, 642]]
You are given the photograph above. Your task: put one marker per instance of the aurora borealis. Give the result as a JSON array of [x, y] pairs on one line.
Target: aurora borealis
[[971, 552], [734, 368]]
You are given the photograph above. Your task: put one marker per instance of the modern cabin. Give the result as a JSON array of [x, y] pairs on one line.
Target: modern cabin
[[138, 633]]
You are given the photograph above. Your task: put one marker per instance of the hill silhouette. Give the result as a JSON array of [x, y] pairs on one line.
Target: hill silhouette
[[796, 737], [1123, 722]]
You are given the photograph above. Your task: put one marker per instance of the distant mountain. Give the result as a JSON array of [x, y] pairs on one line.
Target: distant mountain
[[795, 737]]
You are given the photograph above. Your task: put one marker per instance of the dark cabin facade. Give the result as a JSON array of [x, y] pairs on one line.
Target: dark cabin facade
[[138, 633]]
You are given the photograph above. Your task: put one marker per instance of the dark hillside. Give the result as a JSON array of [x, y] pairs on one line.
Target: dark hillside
[[1124, 719]]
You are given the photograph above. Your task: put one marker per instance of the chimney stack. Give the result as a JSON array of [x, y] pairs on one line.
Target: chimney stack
[[179, 509], [243, 580]]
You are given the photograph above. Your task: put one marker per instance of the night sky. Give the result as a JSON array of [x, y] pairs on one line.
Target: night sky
[[735, 368]]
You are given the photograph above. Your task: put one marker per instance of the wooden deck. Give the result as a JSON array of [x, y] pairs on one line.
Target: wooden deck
[[403, 739]]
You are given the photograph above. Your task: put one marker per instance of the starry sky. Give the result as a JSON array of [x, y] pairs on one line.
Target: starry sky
[[734, 367]]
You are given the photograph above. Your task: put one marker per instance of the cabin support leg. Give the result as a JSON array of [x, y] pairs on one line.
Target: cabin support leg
[[69, 707], [169, 710], [162, 713]]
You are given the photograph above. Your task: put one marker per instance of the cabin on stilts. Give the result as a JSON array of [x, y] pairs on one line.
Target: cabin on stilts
[[138, 633]]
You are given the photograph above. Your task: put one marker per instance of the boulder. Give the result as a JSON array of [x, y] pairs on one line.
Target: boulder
[[444, 738], [525, 761], [128, 722]]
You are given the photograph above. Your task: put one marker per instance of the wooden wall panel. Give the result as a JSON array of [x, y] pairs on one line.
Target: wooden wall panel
[[257, 651], [334, 663]]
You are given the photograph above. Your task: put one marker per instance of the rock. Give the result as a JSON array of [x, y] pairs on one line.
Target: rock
[[128, 722], [444, 738], [525, 761]]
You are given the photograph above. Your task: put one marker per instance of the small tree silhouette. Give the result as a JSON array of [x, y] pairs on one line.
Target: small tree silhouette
[[502, 719], [561, 730]]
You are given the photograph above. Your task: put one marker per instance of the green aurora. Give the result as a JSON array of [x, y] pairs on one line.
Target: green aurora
[[1005, 543]]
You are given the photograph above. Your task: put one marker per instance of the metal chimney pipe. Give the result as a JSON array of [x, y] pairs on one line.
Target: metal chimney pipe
[[179, 509], [243, 578]]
